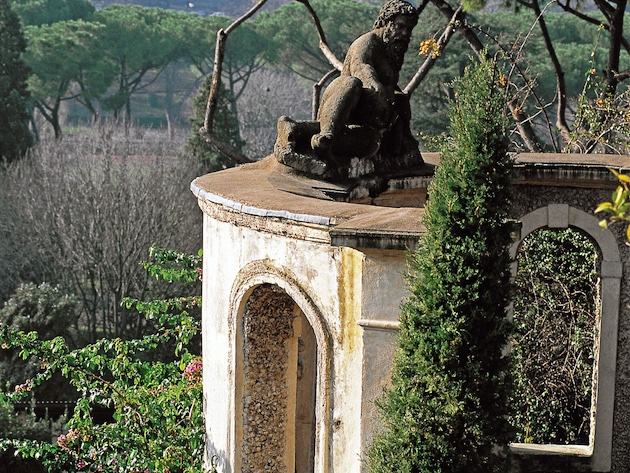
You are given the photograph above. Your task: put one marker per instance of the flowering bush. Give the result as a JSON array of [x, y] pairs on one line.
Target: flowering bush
[[157, 421]]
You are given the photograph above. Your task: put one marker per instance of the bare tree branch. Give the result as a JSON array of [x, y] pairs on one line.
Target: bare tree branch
[[323, 44], [224, 148], [219, 55], [317, 89], [524, 126], [623, 75], [422, 6], [605, 8], [523, 123], [462, 28], [525, 130], [426, 66], [561, 86], [213, 96], [594, 21]]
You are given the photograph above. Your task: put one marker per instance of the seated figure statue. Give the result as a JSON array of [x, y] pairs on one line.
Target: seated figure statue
[[363, 114]]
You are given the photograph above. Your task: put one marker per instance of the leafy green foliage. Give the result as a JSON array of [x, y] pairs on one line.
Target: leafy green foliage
[[158, 422], [555, 311], [15, 137], [137, 41], [446, 408], [47, 12], [43, 307], [617, 208], [294, 41], [62, 55], [49, 311], [24, 425]]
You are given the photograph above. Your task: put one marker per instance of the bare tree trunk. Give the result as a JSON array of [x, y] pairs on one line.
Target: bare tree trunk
[[561, 87], [614, 51], [51, 114], [524, 129]]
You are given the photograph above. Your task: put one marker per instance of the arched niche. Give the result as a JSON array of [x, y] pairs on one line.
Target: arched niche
[[563, 216], [281, 338]]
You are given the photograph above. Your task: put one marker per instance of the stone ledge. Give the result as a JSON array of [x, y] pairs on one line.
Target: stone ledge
[[268, 190], [376, 211], [550, 449]]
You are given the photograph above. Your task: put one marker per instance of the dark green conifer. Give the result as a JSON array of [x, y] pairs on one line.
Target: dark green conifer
[[15, 136], [446, 410], [226, 127]]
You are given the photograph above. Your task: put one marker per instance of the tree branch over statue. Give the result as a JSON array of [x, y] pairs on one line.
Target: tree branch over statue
[[207, 130], [222, 35], [529, 111]]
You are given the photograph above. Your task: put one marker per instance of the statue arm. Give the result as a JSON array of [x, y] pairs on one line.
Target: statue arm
[[361, 62]]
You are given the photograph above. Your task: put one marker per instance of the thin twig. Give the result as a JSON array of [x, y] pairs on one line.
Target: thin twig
[[424, 69], [317, 88], [323, 44]]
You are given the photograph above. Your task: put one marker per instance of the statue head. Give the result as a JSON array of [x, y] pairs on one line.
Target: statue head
[[394, 8], [394, 24]]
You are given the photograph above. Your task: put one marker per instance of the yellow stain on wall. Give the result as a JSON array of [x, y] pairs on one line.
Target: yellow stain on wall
[[349, 292]]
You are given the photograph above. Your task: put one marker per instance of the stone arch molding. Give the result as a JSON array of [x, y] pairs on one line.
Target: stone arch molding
[[261, 272], [562, 216]]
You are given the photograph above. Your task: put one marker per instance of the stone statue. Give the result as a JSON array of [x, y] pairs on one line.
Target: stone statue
[[362, 124]]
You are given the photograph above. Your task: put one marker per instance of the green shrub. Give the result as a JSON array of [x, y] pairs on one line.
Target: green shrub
[[24, 425], [446, 409], [158, 422], [47, 310], [15, 136]]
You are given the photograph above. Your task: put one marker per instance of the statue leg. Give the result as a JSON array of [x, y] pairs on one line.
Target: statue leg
[[339, 101]]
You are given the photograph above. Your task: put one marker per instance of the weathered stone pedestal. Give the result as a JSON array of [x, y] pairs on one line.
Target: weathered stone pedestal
[[303, 282]]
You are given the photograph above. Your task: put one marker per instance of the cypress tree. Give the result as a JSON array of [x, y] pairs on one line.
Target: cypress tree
[[15, 136], [446, 410]]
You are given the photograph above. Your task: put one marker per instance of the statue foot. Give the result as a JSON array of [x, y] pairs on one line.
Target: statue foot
[[322, 143]]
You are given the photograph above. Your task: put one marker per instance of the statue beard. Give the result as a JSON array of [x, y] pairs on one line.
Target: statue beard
[[396, 49], [396, 46]]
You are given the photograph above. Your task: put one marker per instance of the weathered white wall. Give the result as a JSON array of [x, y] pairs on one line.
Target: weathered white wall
[[344, 285], [351, 297]]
